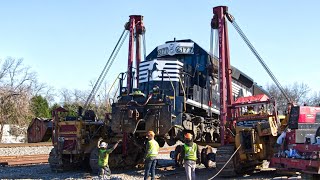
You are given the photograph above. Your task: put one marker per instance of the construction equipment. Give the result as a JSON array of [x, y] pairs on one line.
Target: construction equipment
[[75, 138], [251, 135], [172, 92], [301, 146]]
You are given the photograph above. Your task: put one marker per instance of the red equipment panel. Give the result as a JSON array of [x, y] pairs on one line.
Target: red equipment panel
[[310, 166], [308, 114]]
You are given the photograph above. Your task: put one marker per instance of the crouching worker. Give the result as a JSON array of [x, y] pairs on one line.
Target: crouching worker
[[190, 154], [103, 160], [152, 151]]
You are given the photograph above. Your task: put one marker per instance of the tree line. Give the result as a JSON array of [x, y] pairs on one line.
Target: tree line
[[298, 93]]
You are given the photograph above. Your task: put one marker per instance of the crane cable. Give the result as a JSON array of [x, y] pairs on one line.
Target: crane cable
[[264, 65], [234, 153], [106, 69]]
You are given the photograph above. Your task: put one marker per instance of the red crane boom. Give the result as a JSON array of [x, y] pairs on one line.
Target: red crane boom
[[136, 28], [219, 22]]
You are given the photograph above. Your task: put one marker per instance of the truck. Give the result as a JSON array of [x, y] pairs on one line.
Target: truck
[[300, 147]]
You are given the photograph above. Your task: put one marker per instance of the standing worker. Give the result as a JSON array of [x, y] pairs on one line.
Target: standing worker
[[103, 160], [152, 151], [190, 154]]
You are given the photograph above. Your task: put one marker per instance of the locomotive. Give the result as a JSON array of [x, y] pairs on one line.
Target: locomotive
[[176, 92]]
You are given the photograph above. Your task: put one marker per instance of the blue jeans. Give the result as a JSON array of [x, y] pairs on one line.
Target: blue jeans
[[150, 165]]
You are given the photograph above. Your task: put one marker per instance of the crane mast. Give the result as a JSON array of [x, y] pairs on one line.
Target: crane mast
[[219, 22], [136, 28]]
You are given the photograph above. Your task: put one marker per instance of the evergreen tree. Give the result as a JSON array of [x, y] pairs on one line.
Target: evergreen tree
[[40, 107]]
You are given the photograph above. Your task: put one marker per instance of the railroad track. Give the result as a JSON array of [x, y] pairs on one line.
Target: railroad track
[[14, 160], [22, 160], [10, 145]]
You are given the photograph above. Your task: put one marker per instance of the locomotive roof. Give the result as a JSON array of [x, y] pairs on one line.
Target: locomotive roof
[[236, 73]]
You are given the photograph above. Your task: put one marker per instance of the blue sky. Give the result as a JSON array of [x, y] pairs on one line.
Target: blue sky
[[68, 42]]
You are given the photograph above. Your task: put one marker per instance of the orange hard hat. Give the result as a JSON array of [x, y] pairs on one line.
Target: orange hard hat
[[151, 133], [188, 136]]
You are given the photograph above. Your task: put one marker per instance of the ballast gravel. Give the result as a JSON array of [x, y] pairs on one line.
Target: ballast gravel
[[20, 151]]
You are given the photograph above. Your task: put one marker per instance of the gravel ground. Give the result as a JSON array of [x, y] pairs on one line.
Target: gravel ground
[[25, 150], [165, 169], [43, 172]]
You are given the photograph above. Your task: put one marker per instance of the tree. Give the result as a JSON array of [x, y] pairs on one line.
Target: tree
[[40, 107], [54, 107], [297, 93], [314, 99], [15, 92]]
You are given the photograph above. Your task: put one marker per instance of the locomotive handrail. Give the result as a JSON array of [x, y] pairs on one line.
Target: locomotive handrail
[[184, 95], [174, 92]]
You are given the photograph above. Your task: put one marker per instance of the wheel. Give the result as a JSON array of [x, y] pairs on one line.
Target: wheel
[[177, 158], [94, 156], [161, 141], [208, 157], [55, 162], [171, 142]]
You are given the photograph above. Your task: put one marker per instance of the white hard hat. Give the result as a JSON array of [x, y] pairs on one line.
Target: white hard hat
[[103, 145]]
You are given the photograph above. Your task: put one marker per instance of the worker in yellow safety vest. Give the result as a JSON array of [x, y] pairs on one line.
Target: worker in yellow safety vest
[[103, 158], [250, 110], [152, 151], [190, 154]]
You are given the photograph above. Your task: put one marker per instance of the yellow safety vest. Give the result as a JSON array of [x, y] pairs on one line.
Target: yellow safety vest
[[251, 112], [190, 153], [153, 148], [103, 157]]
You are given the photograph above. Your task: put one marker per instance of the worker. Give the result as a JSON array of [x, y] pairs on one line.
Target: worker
[[250, 110], [137, 92], [262, 110], [152, 150], [190, 154], [103, 158]]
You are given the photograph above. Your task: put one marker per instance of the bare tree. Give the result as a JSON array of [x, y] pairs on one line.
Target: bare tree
[[314, 99], [297, 92], [15, 91], [66, 96]]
